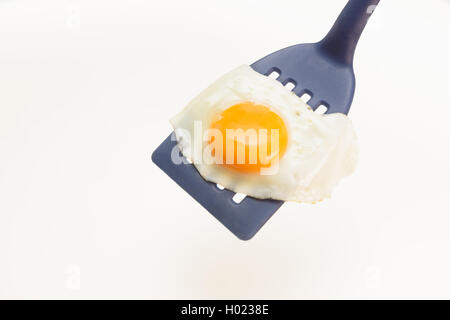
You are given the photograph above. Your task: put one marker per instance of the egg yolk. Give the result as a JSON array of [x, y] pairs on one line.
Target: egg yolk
[[253, 137]]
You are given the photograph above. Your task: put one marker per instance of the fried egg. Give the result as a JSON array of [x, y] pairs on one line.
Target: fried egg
[[250, 134]]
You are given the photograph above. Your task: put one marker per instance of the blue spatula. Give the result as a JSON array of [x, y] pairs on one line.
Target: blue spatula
[[324, 71]]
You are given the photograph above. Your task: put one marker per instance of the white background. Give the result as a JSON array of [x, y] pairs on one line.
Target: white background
[[86, 91]]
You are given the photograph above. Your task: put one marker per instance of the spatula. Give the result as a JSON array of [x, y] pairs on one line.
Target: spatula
[[322, 70]]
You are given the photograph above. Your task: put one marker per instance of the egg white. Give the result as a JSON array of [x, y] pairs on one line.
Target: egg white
[[322, 149]]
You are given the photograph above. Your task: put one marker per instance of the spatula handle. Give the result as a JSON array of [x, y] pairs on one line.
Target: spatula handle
[[341, 40]]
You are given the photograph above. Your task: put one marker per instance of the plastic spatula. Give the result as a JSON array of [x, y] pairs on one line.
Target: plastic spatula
[[323, 70]]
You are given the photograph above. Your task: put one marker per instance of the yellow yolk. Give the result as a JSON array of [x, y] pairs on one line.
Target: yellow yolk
[[264, 140]]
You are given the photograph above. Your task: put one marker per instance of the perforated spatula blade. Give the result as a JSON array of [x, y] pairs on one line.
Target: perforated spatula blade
[[323, 70]]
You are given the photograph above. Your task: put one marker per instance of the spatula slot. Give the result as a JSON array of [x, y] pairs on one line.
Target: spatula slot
[[290, 84], [220, 187], [274, 73], [238, 198], [306, 97], [321, 109]]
